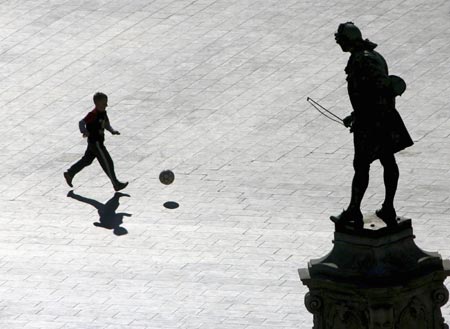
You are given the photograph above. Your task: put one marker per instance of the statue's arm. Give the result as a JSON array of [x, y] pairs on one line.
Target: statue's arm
[[371, 75]]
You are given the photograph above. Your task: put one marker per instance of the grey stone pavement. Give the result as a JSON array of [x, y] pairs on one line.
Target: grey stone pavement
[[215, 91]]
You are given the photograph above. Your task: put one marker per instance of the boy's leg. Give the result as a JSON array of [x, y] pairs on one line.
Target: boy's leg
[[106, 162], [85, 161]]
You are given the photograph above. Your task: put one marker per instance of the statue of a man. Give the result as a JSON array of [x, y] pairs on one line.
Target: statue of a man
[[378, 130]]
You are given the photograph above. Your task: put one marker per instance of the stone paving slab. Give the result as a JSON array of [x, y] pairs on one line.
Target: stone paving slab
[[215, 91]]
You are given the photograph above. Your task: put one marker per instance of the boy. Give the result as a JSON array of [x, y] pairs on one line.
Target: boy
[[93, 127]]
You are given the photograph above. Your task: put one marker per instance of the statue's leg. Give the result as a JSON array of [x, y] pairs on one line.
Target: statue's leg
[[359, 183], [391, 175]]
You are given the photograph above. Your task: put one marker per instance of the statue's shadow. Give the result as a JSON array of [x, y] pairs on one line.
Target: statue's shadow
[[108, 218]]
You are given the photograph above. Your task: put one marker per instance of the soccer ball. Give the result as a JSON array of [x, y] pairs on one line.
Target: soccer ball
[[166, 177]]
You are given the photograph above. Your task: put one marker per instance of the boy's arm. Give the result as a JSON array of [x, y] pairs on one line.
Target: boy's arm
[[83, 123], [111, 129], [82, 127]]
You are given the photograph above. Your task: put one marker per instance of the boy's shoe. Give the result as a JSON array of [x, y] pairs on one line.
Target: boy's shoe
[[120, 186], [68, 178], [387, 215]]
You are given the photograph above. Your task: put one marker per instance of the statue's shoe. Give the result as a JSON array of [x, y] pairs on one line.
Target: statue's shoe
[[353, 216], [387, 215]]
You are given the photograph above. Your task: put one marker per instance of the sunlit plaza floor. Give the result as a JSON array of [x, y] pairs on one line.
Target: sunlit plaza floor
[[215, 91]]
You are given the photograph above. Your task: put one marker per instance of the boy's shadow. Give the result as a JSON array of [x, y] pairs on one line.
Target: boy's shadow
[[109, 219]]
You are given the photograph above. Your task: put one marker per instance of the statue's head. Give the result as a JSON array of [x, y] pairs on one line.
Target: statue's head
[[348, 36]]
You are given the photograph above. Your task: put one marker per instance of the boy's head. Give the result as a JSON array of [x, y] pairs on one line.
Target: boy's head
[[100, 101]]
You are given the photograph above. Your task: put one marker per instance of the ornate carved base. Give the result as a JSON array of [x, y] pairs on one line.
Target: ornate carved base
[[377, 279]]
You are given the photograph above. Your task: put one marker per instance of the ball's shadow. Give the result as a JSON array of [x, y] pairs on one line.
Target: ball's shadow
[[171, 205]]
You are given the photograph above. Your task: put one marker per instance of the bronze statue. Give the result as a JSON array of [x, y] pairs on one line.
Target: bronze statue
[[378, 130]]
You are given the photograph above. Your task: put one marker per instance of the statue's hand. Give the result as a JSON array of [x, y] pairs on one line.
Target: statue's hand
[[348, 121]]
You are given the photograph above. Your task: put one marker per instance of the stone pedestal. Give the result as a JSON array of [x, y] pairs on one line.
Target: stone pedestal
[[376, 278]]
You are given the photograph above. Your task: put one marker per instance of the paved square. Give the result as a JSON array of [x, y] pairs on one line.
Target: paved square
[[215, 91]]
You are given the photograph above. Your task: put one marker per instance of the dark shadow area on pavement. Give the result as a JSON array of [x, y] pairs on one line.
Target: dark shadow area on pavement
[[108, 219], [171, 205]]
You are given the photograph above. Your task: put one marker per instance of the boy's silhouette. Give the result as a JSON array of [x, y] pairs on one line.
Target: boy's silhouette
[[93, 127]]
